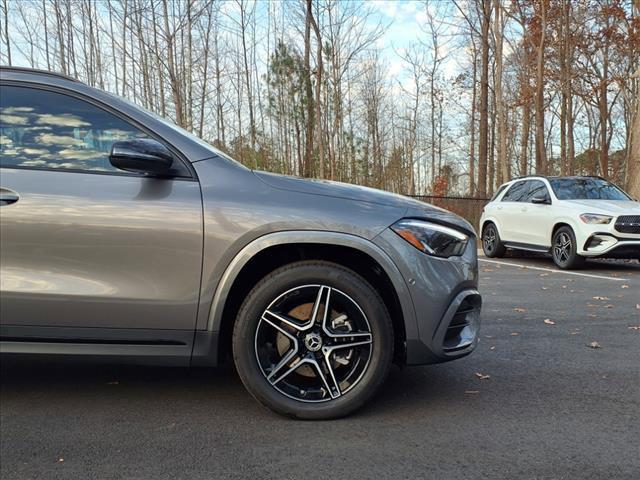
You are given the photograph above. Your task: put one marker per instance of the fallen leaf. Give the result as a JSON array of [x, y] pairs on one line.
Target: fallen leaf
[[519, 309], [624, 286], [549, 321], [594, 345], [600, 298], [482, 376]]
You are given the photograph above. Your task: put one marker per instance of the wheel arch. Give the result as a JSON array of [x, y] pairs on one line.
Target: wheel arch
[[559, 224], [274, 250], [486, 222]]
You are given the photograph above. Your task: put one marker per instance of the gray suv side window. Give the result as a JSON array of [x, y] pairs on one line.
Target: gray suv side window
[[44, 129]]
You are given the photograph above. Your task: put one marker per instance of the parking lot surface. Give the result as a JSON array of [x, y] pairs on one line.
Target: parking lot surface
[[552, 392]]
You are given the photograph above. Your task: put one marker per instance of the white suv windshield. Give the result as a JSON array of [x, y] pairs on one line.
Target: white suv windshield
[[586, 189]]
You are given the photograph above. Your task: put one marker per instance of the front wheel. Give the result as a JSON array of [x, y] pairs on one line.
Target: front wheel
[[492, 246], [313, 340], [565, 248]]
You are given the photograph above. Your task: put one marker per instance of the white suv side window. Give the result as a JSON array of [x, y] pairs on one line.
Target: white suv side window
[[517, 192], [537, 188]]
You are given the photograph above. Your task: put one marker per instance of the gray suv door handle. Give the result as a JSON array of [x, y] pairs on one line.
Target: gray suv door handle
[[7, 197]]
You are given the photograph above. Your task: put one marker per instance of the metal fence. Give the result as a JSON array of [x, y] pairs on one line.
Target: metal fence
[[467, 207]]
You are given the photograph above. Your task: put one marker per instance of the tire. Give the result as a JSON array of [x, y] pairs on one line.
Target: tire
[[492, 246], [288, 352], [564, 249]]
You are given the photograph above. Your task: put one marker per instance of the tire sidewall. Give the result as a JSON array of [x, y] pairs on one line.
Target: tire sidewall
[[287, 278]]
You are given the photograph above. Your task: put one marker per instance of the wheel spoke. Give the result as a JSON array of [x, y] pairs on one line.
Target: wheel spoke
[[277, 319], [280, 372], [330, 383], [324, 295]]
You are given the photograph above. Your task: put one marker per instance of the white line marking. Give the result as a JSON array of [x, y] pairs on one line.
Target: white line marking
[[554, 271]]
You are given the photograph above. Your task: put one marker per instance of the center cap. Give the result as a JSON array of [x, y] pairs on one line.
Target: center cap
[[313, 342]]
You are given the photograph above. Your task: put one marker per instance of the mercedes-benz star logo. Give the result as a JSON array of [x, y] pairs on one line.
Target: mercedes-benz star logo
[[313, 342]]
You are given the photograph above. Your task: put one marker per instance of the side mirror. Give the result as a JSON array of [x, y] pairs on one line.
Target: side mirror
[[141, 155], [541, 200]]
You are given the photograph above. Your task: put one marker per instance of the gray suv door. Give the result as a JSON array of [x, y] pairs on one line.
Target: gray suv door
[[83, 244]]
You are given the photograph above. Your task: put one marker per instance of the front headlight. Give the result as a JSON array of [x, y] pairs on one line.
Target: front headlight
[[432, 238], [594, 218]]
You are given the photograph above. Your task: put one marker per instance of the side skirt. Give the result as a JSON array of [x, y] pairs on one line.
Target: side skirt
[[527, 247], [140, 346]]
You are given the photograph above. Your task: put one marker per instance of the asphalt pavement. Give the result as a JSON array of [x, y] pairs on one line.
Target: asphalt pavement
[[552, 392]]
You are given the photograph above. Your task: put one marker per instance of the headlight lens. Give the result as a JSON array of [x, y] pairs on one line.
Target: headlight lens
[[432, 238], [595, 219]]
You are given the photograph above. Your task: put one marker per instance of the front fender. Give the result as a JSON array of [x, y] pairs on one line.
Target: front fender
[[311, 237]]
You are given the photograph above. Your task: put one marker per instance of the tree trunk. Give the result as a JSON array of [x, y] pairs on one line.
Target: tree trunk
[[247, 77], [6, 30], [503, 167], [633, 167], [483, 147], [308, 147], [174, 81], [319, 72], [541, 154], [524, 136], [472, 140], [60, 33]]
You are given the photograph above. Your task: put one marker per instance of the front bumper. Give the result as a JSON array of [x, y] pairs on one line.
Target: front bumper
[[444, 293], [609, 245], [605, 241]]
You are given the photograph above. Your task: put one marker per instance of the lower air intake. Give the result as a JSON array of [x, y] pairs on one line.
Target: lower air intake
[[462, 329]]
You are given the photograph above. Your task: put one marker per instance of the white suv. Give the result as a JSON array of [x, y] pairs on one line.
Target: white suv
[[573, 218]]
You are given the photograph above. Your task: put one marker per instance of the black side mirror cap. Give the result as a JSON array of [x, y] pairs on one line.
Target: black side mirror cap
[[142, 155]]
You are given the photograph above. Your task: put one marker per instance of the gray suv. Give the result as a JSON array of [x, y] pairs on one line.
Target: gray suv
[[125, 237]]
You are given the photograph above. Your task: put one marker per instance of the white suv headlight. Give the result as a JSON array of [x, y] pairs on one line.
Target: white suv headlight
[[594, 218]]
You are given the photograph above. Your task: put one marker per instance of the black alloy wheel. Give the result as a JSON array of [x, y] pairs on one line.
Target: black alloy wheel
[[313, 340], [564, 249], [491, 244]]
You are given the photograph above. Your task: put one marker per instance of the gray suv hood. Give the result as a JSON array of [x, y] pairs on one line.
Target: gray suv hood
[[327, 188]]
